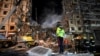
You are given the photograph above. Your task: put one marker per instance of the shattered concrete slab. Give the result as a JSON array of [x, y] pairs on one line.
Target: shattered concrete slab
[[39, 51]]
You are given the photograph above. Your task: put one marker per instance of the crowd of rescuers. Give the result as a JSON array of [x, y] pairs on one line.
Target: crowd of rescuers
[[83, 44]]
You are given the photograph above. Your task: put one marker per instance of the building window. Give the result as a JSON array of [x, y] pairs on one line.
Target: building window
[[6, 5], [77, 16], [79, 28], [11, 27], [92, 22], [5, 12], [78, 22], [98, 22], [72, 28], [88, 28], [6, 0], [3, 28], [71, 22]]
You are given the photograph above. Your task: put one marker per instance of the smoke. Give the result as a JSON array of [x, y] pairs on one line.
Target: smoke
[[51, 20], [48, 12]]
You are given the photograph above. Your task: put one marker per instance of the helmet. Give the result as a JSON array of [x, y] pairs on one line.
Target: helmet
[[58, 24], [91, 37], [84, 37]]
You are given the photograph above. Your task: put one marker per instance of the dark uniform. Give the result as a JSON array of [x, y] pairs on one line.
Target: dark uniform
[[86, 45], [78, 44], [92, 45]]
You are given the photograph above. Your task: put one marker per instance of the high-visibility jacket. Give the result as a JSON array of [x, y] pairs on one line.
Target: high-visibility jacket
[[60, 32]]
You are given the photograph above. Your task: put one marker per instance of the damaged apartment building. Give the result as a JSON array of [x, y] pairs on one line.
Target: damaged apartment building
[[72, 13], [20, 15], [83, 15]]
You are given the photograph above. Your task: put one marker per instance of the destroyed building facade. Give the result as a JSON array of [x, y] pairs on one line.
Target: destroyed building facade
[[83, 15], [20, 14]]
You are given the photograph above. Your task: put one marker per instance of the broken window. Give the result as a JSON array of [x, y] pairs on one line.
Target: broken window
[[4, 12], [92, 22], [78, 22], [6, 0], [3, 28], [98, 22], [77, 16], [87, 28], [79, 28], [6, 6], [11, 27], [71, 22], [72, 28]]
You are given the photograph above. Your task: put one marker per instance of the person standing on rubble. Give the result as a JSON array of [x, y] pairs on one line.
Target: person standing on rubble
[[60, 34]]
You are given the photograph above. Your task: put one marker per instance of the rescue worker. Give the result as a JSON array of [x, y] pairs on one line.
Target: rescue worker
[[60, 34], [92, 45], [78, 43], [86, 44]]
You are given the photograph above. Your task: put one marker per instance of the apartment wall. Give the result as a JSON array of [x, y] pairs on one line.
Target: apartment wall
[[5, 7], [91, 11], [73, 16]]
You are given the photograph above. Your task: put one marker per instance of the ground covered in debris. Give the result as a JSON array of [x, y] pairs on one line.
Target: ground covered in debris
[[19, 53], [12, 53]]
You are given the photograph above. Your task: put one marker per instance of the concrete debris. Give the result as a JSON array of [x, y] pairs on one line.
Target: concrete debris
[[72, 54], [66, 53], [39, 51]]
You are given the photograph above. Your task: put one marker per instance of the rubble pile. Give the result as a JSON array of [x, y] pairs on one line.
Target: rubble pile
[[46, 39], [48, 44]]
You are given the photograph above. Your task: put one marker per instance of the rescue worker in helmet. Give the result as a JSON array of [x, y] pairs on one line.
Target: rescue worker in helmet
[[86, 44], [78, 43], [92, 45], [60, 32]]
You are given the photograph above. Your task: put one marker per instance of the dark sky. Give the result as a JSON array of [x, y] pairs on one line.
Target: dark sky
[[44, 7]]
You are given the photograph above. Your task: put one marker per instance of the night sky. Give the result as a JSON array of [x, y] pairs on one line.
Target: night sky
[[44, 7]]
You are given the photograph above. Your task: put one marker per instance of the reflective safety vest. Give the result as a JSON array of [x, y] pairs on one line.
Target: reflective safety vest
[[91, 38], [60, 32], [84, 37]]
